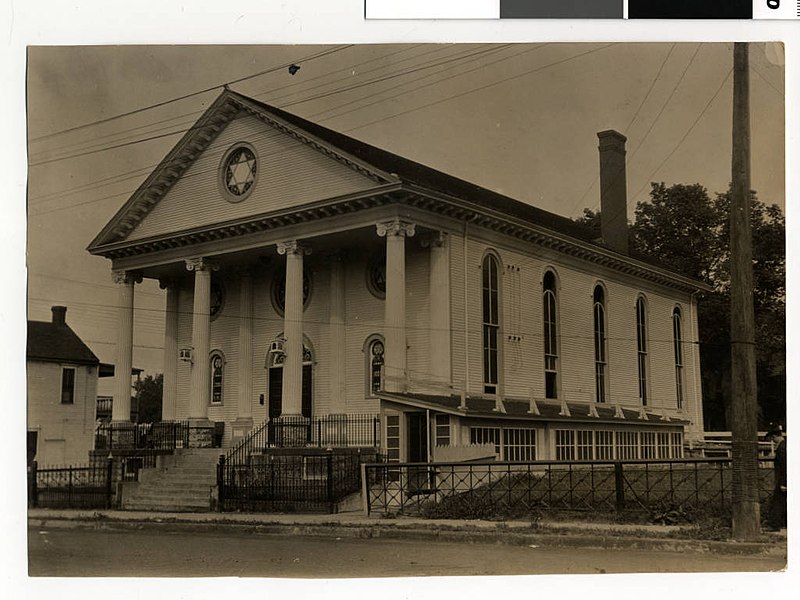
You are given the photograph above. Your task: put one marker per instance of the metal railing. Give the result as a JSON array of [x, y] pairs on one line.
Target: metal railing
[[254, 442], [304, 481], [164, 435], [78, 486], [325, 431], [518, 488]]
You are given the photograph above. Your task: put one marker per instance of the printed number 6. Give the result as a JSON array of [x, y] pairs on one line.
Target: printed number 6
[[774, 4]]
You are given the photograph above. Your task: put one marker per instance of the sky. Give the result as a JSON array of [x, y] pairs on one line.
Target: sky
[[520, 119]]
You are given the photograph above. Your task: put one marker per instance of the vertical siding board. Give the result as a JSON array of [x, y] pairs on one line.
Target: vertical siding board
[[291, 173]]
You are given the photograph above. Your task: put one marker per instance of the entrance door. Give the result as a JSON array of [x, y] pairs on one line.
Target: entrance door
[[417, 427], [275, 392]]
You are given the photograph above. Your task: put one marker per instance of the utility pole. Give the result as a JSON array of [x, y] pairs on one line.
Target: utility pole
[[746, 510]]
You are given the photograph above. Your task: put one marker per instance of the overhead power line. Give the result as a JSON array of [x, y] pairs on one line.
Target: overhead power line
[[189, 95]]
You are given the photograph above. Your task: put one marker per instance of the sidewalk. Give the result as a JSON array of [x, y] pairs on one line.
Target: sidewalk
[[358, 525]]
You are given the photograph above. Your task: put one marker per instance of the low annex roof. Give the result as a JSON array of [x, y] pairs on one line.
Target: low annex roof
[[54, 342], [549, 410]]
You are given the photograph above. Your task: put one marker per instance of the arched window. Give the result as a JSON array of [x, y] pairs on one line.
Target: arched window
[[641, 348], [491, 323], [217, 376], [600, 348], [550, 317], [374, 366], [677, 340]]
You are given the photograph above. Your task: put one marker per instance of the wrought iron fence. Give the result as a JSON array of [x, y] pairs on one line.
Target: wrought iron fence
[[518, 488], [81, 486], [325, 431], [304, 481], [164, 435]]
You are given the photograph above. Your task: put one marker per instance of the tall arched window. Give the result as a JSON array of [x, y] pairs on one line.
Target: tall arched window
[[600, 349], [374, 367], [550, 314], [641, 347], [677, 340], [217, 376], [491, 323]]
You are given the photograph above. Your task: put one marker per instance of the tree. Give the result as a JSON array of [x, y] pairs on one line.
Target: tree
[[685, 229], [148, 398]]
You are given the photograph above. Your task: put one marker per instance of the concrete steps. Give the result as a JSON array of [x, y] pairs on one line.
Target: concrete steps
[[182, 482]]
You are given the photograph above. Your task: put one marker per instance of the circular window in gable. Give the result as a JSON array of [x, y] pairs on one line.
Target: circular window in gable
[[238, 172]]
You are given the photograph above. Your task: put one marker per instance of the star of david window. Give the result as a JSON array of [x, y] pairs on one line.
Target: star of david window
[[376, 275], [217, 299], [239, 172]]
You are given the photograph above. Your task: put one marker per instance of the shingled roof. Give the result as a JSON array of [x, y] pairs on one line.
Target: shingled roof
[[56, 342]]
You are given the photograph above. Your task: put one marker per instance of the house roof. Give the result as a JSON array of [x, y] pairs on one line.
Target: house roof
[[55, 342], [391, 174], [483, 407]]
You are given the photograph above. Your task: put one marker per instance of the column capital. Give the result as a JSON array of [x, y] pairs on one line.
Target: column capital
[[167, 282], [124, 277], [201, 264], [435, 240], [395, 227], [294, 247]]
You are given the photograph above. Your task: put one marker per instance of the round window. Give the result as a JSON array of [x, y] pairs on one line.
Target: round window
[[376, 275], [279, 291], [217, 299], [239, 172]]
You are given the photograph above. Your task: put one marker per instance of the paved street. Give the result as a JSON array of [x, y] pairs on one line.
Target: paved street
[[79, 552]]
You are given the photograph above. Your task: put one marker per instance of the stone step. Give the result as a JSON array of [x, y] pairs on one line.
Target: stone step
[[198, 498]]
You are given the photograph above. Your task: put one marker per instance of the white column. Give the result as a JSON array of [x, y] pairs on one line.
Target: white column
[[395, 372], [245, 366], [121, 408], [201, 325], [336, 336], [292, 404], [439, 295], [170, 393]]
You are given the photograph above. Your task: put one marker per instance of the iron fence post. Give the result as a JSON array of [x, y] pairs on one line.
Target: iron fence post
[[329, 460], [221, 483], [109, 480], [365, 499], [34, 499], [619, 485], [69, 487]]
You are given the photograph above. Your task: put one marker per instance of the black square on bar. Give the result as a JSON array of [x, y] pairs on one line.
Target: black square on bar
[[690, 9]]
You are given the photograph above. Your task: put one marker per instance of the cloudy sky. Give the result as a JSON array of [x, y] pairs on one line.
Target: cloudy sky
[[518, 119]]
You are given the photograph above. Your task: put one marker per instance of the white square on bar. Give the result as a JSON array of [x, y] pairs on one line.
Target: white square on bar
[[432, 9], [776, 9]]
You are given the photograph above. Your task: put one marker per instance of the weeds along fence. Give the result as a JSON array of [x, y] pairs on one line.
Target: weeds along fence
[[84, 486], [509, 489]]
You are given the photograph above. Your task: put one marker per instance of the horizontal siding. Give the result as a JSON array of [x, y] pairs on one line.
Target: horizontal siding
[[418, 312], [521, 355], [290, 173], [457, 309]]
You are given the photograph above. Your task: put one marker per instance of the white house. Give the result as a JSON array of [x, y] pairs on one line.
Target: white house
[[62, 388], [308, 273]]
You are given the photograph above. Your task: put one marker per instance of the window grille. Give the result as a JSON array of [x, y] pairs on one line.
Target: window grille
[[550, 318], [641, 348], [485, 435], [600, 360], [677, 444], [442, 433], [648, 445], [677, 336], [520, 444], [663, 445], [491, 324], [584, 447], [565, 444], [67, 385], [604, 445], [627, 445]]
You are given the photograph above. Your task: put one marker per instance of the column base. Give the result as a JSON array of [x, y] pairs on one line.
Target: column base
[[291, 431], [240, 428], [201, 433]]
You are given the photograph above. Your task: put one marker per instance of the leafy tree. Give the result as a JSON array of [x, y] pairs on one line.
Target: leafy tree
[[148, 398], [687, 230]]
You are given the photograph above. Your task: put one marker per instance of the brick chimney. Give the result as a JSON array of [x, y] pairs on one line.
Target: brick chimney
[[613, 194], [59, 315]]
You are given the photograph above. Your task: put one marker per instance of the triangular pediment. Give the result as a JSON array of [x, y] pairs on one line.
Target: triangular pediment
[[207, 179]]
